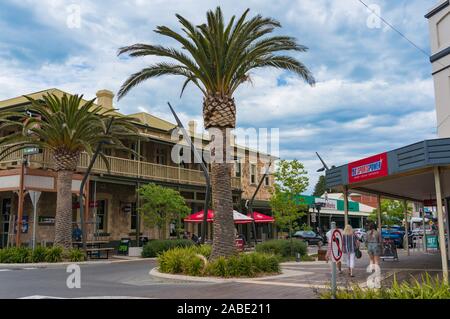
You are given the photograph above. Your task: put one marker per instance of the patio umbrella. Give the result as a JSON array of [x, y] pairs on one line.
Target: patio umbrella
[[261, 218], [198, 217]]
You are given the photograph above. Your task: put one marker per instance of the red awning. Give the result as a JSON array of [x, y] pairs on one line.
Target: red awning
[[261, 218], [198, 217]]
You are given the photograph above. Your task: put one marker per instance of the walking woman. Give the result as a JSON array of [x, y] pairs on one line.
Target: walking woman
[[374, 244], [350, 245]]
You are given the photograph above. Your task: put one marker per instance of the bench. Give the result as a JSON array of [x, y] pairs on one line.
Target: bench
[[98, 252]]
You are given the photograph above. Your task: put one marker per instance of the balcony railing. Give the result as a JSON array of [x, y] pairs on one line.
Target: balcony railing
[[120, 167]]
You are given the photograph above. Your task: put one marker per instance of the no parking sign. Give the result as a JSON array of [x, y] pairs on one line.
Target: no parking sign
[[336, 244]]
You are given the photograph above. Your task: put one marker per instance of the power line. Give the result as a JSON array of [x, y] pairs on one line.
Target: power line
[[395, 29]]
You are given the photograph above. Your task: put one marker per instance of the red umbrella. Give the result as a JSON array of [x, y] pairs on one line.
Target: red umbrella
[[261, 218], [198, 217]]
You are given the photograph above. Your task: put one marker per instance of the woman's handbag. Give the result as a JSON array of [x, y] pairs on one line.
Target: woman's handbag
[[358, 253]]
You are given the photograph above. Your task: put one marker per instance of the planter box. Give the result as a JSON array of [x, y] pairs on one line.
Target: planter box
[[321, 254], [135, 252]]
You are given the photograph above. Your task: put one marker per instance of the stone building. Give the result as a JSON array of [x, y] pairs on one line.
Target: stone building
[[111, 194]]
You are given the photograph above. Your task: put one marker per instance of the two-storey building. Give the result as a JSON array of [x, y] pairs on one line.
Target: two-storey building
[[111, 194]]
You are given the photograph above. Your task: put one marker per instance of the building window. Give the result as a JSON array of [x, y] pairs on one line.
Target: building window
[[101, 216], [187, 195], [160, 156], [237, 169], [200, 196], [134, 216], [252, 173], [267, 180]]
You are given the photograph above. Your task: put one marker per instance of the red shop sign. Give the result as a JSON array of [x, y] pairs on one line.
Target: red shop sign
[[371, 167]]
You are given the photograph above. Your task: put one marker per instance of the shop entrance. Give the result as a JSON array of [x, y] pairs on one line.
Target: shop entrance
[[5, 221]]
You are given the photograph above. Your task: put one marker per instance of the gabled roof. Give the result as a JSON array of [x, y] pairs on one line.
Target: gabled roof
[[21, 100]]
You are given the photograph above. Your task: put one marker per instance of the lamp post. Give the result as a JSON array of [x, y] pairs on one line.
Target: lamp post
[[199, 159]]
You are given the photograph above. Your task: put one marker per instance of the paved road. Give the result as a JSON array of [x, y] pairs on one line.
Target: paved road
[[130, 279]]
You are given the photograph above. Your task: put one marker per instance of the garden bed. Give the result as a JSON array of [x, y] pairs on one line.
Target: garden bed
[[25, 255], [193, 261]]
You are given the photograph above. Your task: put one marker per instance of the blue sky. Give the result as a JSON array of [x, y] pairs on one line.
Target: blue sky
[[374, 90]]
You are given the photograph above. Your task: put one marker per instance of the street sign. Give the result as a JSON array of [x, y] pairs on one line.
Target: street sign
[[313, 217], [336, 245]]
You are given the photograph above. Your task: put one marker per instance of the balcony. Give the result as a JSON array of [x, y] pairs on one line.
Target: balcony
[[119, 167]]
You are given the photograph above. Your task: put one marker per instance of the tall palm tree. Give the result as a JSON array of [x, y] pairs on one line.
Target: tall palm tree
[[217, 59], [66, 126]]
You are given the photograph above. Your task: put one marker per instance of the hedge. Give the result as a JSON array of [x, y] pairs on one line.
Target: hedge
[[20, 255], [155, 247], [193, 261], [286, 249]]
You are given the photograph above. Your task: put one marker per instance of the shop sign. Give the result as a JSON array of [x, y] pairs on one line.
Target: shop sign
[[432, 242], [368, 168], [327, 204]]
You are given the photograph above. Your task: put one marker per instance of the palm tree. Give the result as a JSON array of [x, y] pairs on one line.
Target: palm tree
[[217, 59], [66, 126]]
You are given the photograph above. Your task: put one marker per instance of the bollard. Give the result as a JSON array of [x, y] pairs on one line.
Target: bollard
[[297, 257]]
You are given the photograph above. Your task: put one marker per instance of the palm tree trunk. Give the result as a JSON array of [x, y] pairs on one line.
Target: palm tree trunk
[[63, 219], [223, 225]]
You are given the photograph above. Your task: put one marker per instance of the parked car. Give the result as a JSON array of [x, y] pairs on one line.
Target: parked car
[[396, 233], [361, 234], [309, 236]]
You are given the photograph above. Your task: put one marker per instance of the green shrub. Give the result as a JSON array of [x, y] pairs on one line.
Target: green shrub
[[189, 261], [75, 255], [155, 247], [283, 248], [426, 288], [184, 260], [244, 265], [54, 255], [15, 255], [38, 255]]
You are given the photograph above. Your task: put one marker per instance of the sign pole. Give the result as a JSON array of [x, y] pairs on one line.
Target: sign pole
[[333, 266], [34, 195]]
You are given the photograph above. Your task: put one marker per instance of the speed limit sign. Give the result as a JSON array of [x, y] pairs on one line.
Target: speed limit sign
[[336, 244]]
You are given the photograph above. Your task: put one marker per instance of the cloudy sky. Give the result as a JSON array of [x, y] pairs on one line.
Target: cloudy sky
[[374, 90]]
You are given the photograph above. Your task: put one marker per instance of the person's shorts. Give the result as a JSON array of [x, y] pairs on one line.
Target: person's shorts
[[374, 249]]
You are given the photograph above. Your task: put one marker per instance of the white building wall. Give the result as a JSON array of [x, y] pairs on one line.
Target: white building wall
[[439, 26]]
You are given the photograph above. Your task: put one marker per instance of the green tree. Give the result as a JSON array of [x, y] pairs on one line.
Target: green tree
[[290, 181], [161, 206], [217, 57], [392, 212], [66, 126], [320, 187]]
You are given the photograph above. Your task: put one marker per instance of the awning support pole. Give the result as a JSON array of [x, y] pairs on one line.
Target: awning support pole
[[345, 205], [379, 212], [406, 239], [441, 228]]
